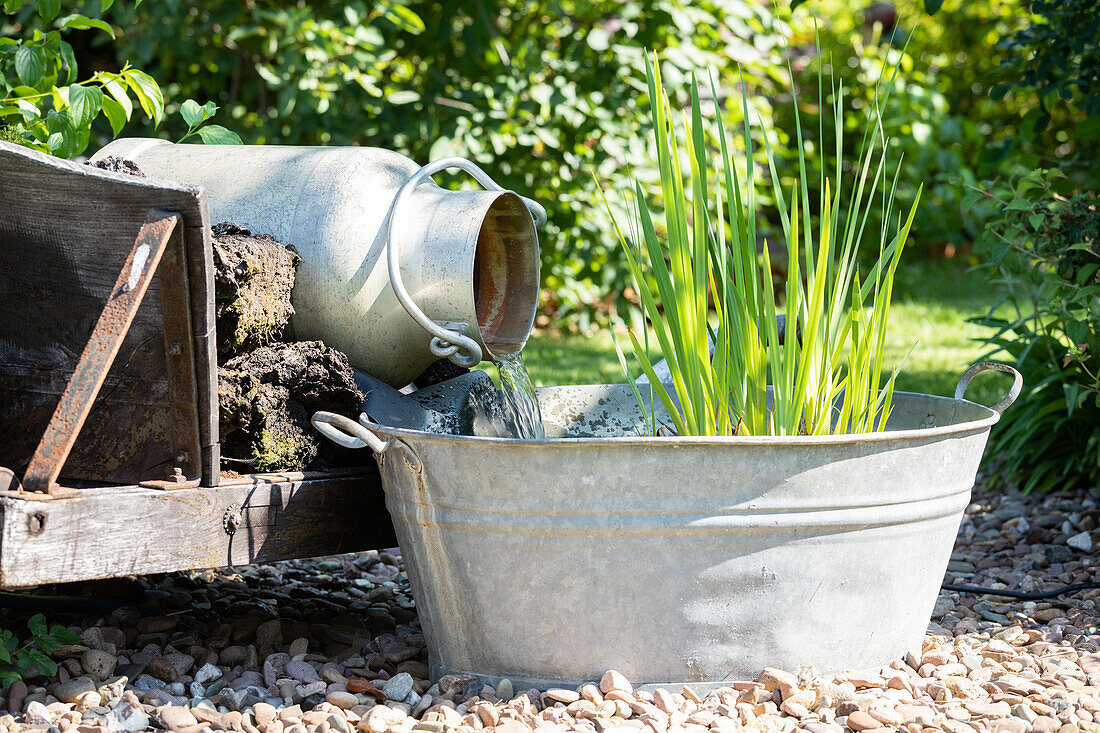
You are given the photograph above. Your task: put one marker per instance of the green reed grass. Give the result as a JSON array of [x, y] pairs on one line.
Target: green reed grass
[[702, 281]]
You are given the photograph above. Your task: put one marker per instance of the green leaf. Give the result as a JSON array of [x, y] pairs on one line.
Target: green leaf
[[62, 140], [49, 9], [404, 96], [37, 625], [193, 114], [84, 104], [932, 6], [30, 64], [118, 91], [47, 643], [796, 3], [218, 135], [5, 655], [28, 109], [105, 5], [69, 59], [402, 17], [38, 660], [65, 635], [148, 93], [9, 674], [10, 6], [83, 23], [1036, 221], [115, 114]]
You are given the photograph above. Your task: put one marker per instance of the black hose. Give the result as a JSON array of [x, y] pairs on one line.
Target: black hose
[[1022, 595]]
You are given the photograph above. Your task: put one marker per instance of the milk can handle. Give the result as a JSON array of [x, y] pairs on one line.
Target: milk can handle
[[350, 434], [975, 370], [446, 343]]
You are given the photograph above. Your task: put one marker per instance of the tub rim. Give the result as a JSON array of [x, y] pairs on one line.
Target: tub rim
[[882, 436]]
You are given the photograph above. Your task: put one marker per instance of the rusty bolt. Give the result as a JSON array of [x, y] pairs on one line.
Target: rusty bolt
[[182, 456], [174, 349]]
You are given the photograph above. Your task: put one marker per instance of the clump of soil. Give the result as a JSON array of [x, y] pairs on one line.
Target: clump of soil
[[253, 278], [117, 165], [266, 397]]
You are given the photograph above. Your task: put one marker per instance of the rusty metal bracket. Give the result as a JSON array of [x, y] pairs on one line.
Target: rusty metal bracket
[[179, 355], [99, 353]]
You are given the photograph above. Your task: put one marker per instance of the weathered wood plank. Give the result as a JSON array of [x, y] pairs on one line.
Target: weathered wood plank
[[65, 230], [115, 531]]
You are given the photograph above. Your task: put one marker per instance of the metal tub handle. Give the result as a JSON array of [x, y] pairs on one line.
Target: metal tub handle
[[446, 343], [350, 434], [975, 370]]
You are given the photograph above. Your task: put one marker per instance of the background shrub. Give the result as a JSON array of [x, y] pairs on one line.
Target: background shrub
[[1043, 250], [541, 94]]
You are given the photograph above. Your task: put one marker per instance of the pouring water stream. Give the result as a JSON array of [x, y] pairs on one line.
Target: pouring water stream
[[515, 412]]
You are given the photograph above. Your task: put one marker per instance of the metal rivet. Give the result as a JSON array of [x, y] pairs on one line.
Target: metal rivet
[[174, 349]]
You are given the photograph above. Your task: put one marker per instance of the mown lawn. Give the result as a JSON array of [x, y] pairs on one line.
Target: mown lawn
[[932, 303]]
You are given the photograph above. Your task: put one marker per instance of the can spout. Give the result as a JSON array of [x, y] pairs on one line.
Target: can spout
[[506, 277]]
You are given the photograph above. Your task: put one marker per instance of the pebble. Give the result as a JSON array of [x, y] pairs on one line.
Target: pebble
[[207, 673], [302, 671], [98, 663], [176, 717], [70, 692], [127, 716], [162, 669], [398, 687], [859, 721], [1081, 541], [565, 696], [342, 700], [1009, 725], [613, 680], [37, 714]]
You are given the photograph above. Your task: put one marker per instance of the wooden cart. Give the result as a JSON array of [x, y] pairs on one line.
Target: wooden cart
[[108, 394]]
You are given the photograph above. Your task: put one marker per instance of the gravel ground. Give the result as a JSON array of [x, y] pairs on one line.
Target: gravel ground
[[333, 646]]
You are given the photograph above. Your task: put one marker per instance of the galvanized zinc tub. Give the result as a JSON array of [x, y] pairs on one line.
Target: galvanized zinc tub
[[677, 560]]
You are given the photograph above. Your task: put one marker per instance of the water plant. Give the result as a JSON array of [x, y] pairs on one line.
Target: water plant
[[702, 282]]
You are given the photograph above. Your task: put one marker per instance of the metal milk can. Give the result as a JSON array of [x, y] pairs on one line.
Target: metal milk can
[[396, 271]]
